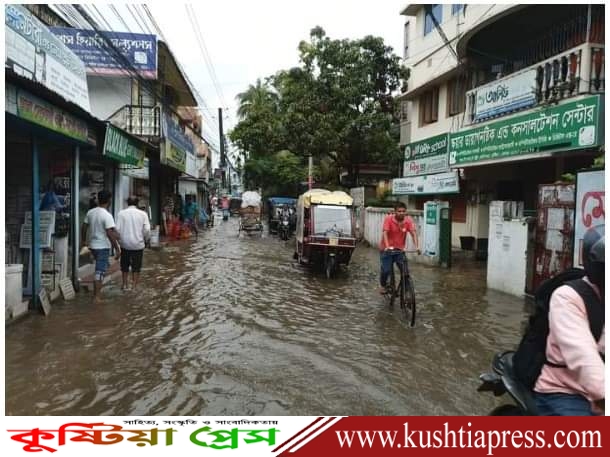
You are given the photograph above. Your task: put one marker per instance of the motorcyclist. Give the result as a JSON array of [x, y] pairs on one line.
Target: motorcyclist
[[577, 388]]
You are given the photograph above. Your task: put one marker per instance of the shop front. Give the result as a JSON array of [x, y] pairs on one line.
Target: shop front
[[44, 145], [520, 167], [427, 177], [174, 150]]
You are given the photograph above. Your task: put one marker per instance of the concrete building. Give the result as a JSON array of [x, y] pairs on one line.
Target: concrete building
[[501, 100]]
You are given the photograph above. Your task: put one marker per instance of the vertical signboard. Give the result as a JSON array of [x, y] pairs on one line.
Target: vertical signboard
[[590, 207]]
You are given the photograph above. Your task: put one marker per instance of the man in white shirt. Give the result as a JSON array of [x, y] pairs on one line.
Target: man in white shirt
[[102, 236], [134, 229]]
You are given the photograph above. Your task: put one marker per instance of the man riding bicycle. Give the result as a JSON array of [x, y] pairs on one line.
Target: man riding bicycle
[[394, 240]]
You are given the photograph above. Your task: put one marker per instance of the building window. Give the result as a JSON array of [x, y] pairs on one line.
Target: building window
[[455, 9], [456, 96], [404, 111], [428, 107], [437, 12], [406, 50]]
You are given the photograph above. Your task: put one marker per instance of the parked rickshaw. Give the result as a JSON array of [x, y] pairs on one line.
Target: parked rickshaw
[[274, 206], [325, 234], [250, 213]]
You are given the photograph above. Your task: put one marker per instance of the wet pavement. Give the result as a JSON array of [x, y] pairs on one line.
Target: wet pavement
[[230, 325]]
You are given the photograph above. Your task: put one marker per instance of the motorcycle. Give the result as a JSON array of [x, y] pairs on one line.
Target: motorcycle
[[284, 227], [502, 380]]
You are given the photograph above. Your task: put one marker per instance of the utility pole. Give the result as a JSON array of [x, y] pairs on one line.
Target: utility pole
[[221, 138], [310, 172]]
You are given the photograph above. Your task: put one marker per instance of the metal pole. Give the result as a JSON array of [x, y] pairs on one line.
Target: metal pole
[[310, 172], [75, 216], [588, 24], [35, 223]]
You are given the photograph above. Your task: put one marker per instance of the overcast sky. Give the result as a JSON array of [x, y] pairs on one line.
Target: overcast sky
[[249, 39]]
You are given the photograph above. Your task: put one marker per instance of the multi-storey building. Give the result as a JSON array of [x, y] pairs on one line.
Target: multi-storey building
[[501, 99]]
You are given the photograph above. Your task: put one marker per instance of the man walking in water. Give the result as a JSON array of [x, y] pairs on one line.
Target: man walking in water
[[134, 229], [103, 236]]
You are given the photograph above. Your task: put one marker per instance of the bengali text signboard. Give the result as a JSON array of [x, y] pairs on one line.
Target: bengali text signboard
[[427, 156], [572, 125], [100, 51]]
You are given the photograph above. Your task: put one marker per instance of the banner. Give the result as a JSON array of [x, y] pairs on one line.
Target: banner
[[590, 207], [33, 52], [122, 147], [139, 51], [427, 156], [574, 125], [441, 183], [306, 436], [508, 94]]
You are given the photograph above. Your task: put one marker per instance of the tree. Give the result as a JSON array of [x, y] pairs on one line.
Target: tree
[[337, 106]]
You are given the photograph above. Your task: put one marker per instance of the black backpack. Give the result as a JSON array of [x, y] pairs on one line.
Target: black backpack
[[530, 355]]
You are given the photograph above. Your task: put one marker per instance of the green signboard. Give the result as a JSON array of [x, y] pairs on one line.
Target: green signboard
[[573, 125], [426, 156], [431, 214], [31, 108], [122, 147]]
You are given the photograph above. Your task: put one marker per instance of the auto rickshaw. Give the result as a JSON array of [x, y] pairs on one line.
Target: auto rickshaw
[[274, 205], [325, 234]]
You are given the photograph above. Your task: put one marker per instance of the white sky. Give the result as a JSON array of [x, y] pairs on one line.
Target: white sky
[[249, 39]]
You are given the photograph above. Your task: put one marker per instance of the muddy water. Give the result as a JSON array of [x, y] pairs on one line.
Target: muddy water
[[229, 325]]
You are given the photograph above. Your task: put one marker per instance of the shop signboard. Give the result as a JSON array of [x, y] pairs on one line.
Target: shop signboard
[[33, 52], [191, 165], [506, 95], [177, 145], [139, 171], [122, 147], [440, 183], [574, 125], [590, 207], [98, 50], [427, 156], [36, 110]]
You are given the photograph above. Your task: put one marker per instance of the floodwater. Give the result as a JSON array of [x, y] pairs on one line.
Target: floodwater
[[230, 325]]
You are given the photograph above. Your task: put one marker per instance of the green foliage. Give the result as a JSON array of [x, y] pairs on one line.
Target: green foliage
[[279, 174], [600, 161], [338, 106]]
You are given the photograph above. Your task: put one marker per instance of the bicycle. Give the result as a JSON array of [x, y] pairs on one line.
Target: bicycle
[[404, 290]]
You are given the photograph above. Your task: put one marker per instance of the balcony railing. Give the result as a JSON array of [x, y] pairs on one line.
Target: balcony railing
[[597, 82], [139, 120], [554, 79]]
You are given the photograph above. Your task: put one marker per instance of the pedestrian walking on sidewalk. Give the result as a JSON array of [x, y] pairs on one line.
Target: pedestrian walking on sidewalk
[[134, 229], [102, 236]]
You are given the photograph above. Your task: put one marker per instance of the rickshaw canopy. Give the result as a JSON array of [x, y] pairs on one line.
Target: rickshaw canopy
[[326, 197], [282, 201]]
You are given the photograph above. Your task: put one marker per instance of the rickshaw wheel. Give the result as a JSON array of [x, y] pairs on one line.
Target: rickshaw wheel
[[331, 267]]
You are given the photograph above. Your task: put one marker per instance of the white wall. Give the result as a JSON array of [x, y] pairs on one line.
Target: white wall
[[428, 55], [443, 125], [108, 94], [507, 255]]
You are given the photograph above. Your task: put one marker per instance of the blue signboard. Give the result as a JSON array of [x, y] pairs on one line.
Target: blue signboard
[[139, 50]]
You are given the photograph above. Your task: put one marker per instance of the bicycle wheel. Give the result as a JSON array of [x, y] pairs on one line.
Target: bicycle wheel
[[407, 302], [392, 288]]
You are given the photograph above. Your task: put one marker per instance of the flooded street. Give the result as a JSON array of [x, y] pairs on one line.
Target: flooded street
[[232, 326]]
